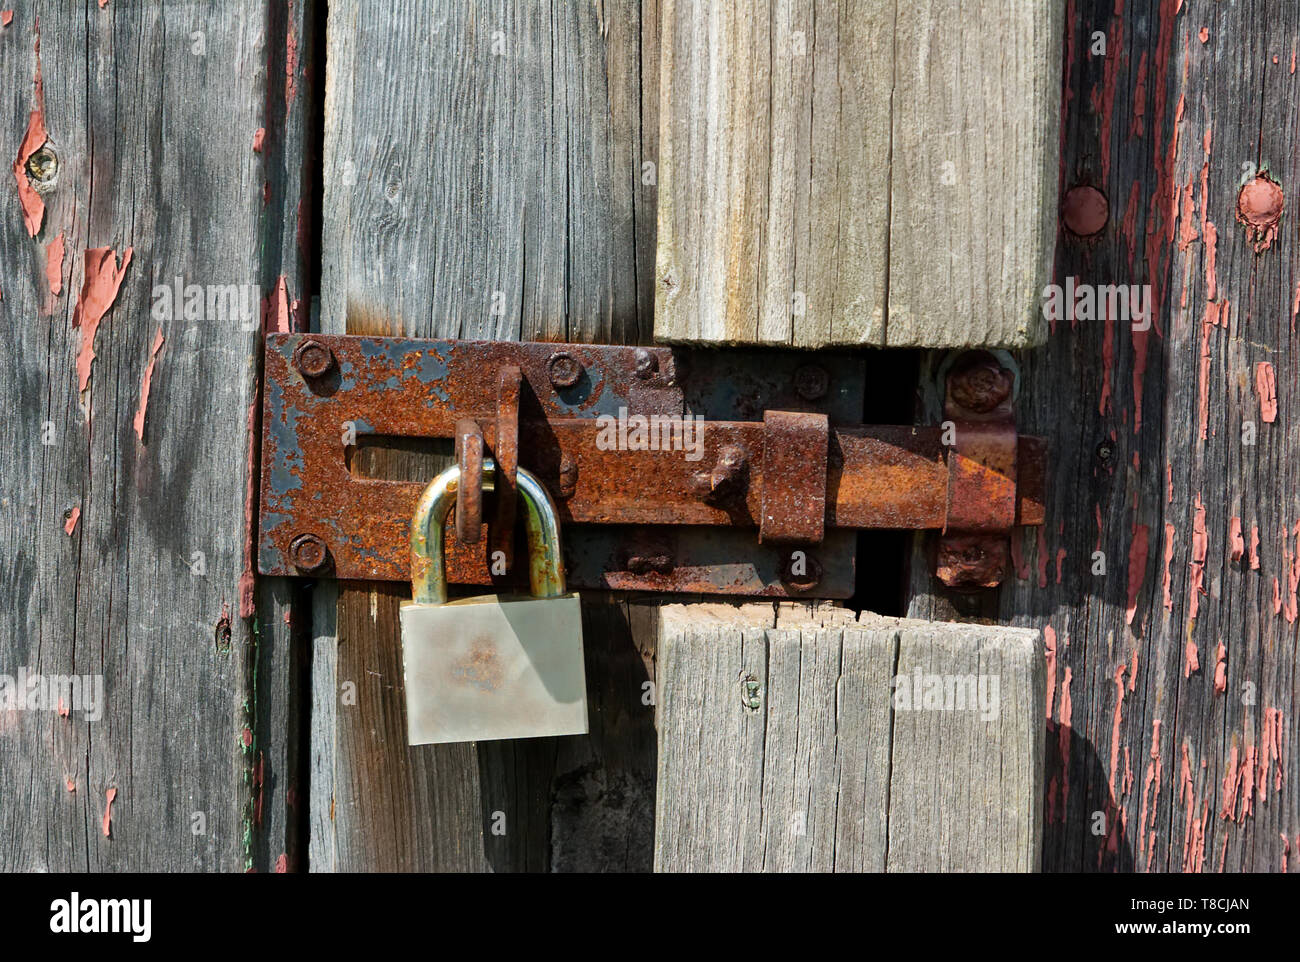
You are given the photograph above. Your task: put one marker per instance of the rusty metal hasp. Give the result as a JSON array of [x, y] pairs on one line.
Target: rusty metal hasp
[[718, 472]]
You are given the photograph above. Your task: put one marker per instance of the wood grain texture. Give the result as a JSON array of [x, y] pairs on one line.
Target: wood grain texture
[[782, 746], [494, 192], [1158, 760], [973, 186], [153, 144], [861, 173]]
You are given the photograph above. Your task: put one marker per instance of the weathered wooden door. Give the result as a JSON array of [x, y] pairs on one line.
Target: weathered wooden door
[[874, 175]]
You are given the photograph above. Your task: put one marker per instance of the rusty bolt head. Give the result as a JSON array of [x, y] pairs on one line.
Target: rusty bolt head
[[563, 369], [646, 363], [1085, 210], [43, 166], [308, 553], [967, 562], [313, 359], [568, 477], [977, 382], [801, 571], [811, 382]]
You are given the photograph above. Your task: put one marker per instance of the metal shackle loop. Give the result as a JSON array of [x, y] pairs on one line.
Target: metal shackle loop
[[428, 552]]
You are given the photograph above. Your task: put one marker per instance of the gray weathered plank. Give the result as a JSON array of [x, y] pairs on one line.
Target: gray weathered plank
[[857, 173], [976, 138], [482, 179], [153, 133], [782, 748]]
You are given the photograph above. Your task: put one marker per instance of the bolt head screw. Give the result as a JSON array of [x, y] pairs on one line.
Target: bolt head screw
[[563, 369], [979, 383], [309, 553], [1085, 210], [646, 363], [313, 359], [811, 382]]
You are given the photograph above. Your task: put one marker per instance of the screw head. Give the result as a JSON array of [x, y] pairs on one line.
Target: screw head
[[646, 363], [313, 359], [308, 553], [1085, 210], [563, 369], [979, 383], [811, 382]]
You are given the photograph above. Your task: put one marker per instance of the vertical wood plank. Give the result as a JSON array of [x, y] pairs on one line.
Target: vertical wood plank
[[482, 179], [121, 548], [774, 171], [1172, 687], [784, 745], [973, 183]]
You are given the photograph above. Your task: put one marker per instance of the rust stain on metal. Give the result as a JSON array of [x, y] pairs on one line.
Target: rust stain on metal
[[805, 471], [469, 499]]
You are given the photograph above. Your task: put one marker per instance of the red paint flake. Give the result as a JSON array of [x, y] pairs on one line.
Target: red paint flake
[[1139, 100], [1277, 597], [1169, 482], [1060, 560], [145, 383], [6, 17], [62, 709], [1266, 390], [1200, 548], [1118, 718], [99, 287], [103, 4], [70, 785], [1049, 646], [1231, 782], [1107, 362], [1137, 564], [1187, 234], [1115, 41], [1154, 770], [246, 737], [73, 517], [1128, 227], [32, 204], [282, 864], [108, 810], [266, 193], [1191, 658], [258, 770], [1097, 513], [1169, 553], [1254, 547], [259, 137], [1063, 739], [1211, 253], [1210, 320], [1204, 34], [54, 265], [1293, 575], [1235, 540]]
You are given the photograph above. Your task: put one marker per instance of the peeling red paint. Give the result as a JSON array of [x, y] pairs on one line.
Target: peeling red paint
[[145, 382], [1115, 724], [99, 287], [1204, 34], [1042, 557], [282, 864], [259, 137], [1221, 668], [54, 266], [1166, 578], [1139, 102], [108, 810], [1060, 560], [6, 17], [1254, 547], [69, 784], [1155, 768], [290, 63], [1137, 563], [1210, 320], [1266, 390], [1049, 646], [1235, 540], [1063, 739], [1200, 549], [74, 516], [1191, 658], [33, 205], [246, 737], [1259, 208]]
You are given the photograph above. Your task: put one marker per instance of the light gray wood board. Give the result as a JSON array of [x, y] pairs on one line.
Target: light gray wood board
[[154, 149], [861, 173], [482, 179], [780, 748]]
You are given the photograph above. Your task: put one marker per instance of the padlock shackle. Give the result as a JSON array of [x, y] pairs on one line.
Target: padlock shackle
[[428, 527]]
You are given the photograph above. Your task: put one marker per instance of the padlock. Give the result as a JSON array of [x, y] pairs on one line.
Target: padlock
[[492, 666]]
